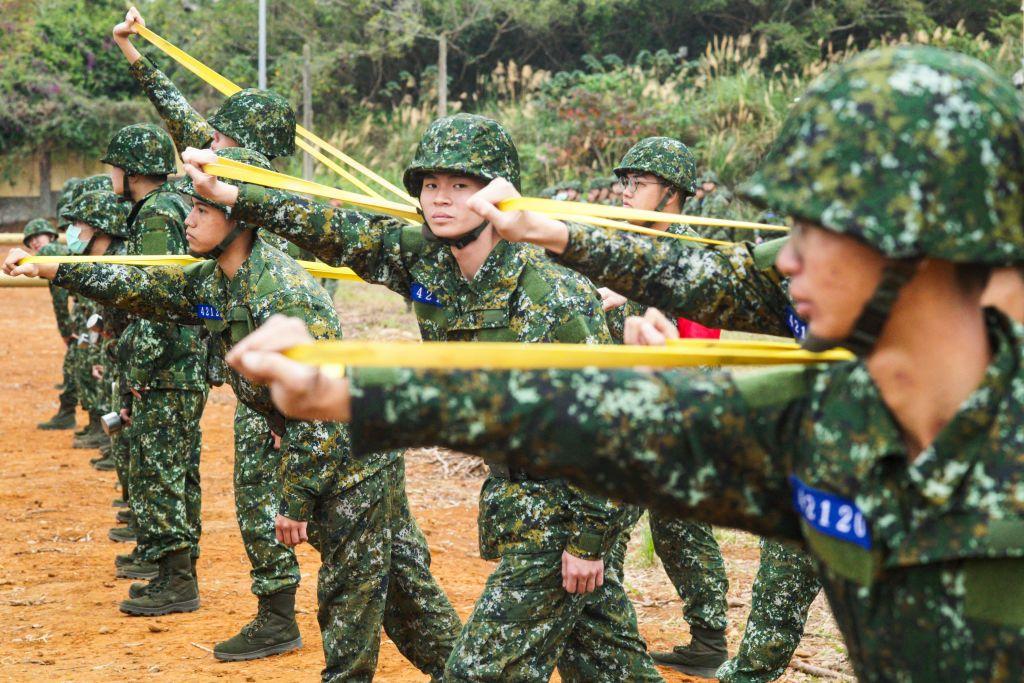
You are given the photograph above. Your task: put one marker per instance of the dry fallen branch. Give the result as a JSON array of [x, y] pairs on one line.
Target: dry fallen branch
[[806, 668]]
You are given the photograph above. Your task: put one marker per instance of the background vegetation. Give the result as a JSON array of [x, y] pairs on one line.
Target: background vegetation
[[577, 81]]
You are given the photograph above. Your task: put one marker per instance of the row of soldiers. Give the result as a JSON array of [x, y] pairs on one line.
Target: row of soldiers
[[556, 598], [161, 481]]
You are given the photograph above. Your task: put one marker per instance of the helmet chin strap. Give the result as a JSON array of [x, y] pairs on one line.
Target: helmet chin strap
[[458, 242], [666, 197], [868, 327]]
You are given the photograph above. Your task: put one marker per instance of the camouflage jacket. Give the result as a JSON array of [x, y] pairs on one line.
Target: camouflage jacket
[[160, 355], [517, 295], [317, 459], [186, 126], [616, 317], [59, 297], [921, 559], [733, 287]]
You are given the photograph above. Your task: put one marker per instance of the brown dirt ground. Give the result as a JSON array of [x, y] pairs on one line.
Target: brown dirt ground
[[58, 595]]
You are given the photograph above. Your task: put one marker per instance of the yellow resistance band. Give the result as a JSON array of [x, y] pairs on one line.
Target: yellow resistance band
[[236, 170], [332, 356], [315, 269], [227, 88], [550, 206]]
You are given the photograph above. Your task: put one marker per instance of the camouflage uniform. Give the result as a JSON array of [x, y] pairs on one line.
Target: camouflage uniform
[[375, 561], [59, 298], [524, 622], [257, 485], [262, 121], [164, 364], [919, 556]]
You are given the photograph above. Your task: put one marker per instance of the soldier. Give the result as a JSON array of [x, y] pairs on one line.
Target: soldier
[[899, 471], [658, 174], [40, 237], [263, 121], [82, 354], [545, 603], [375, 559], [714, 200]]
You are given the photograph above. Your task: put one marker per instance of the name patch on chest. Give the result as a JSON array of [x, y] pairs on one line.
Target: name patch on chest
[[831, 515], [422, 295], [208, 312], [796, 325]]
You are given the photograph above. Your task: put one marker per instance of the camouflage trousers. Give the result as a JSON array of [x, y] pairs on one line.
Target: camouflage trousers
[[257, 483], [163, 471], [69, 394], [525, 624], [92, 392], [693, 562], [376, 571], [783, 591]]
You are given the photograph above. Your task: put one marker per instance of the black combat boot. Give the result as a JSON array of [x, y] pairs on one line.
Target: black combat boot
[[701, 657], [272, 632], [173, 590]]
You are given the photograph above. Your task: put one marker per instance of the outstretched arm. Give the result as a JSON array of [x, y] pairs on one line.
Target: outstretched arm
[[184, 123]]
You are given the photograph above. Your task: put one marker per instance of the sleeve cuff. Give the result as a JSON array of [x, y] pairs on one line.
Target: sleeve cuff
[[246, 206], [586, 545], [296, 508]]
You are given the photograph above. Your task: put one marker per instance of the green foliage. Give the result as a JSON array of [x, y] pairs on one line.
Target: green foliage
[[576, 81]]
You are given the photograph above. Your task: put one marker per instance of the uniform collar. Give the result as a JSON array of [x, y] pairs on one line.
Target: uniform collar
[[498, 277]]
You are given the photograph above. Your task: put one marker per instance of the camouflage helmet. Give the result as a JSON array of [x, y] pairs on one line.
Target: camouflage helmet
[[667, 158], [466, 144], [597, 183], [259, 120], [75, 188], [141, 149], [573, 185], [709, 177], [242, 154], [102, 210], [38, 226], [917, 151]]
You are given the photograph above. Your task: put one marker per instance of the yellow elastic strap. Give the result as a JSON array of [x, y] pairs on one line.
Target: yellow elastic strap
[[550, 206], [227, 88], [236, 170], [334, 355], [315, 269]]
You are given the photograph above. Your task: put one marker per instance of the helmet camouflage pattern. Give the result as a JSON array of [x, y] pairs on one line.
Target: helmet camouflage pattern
[[141, 149], [242, 154], [667, 158], [38, 226], [75, 188], [597, 183], [917, 151], [102, 210], [260, 120], [466, 144]]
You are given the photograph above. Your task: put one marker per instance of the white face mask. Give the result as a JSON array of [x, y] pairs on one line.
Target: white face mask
[[94, 337], [75, 244]]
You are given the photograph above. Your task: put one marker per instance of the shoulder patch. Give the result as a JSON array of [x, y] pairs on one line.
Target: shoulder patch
[[766, 252], [778, 386], [534, 284]]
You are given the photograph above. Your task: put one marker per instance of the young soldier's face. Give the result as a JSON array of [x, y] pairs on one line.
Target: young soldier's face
[[37, 242], [117, 180], [221, 141], [206, 226], [831, 278], [443, 199], [642, 191], [593, 195]]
